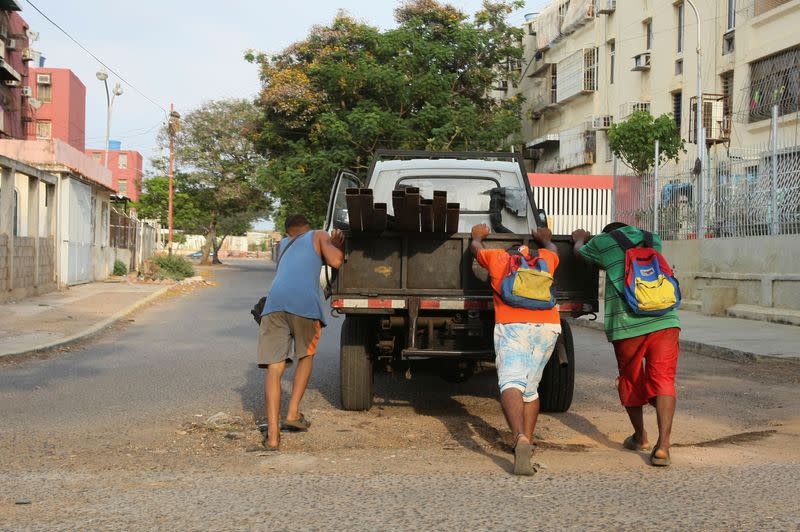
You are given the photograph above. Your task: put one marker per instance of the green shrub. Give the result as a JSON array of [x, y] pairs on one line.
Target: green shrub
[[120, 268], [173, 267], [263, 245]]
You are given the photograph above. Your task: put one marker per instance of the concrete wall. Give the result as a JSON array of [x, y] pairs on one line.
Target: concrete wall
[[764, 270]]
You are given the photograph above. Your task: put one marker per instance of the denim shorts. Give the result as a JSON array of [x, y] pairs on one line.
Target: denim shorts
[[521, 353]]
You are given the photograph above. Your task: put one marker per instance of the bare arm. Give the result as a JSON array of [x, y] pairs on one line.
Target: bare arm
[[579, 237], [479, 232], [331, 246], [543, 236]]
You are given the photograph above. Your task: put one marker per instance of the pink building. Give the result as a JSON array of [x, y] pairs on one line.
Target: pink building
[[62, 114], [15, 54], [126, 170]]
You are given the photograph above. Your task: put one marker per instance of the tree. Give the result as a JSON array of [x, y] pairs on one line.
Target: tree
[[153, 204], [330, 100], [219, 165], [634, 141]]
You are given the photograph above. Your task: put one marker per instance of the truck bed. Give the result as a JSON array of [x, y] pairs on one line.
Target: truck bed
[[430, 265]]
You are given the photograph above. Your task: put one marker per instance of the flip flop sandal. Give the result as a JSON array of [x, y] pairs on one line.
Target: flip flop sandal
[[659, 462], [631, 445], [522, 458], [300, 424], [266, 445]]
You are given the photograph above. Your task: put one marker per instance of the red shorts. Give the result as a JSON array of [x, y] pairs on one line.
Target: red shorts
[[647, 366]]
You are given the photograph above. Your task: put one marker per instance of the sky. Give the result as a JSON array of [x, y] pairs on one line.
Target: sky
[[183, 52]]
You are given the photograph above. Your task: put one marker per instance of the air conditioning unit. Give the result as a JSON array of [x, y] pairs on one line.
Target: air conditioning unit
[[27, 92], [43, 79], [27, 54], [641, 62], [12, 44], [599, 122], [606, 7], [501, 85], [714, 121]]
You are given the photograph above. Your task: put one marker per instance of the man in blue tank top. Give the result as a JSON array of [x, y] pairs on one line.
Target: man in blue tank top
[[294, 315]]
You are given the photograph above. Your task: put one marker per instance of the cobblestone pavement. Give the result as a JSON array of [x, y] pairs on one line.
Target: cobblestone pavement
[[116, 435]]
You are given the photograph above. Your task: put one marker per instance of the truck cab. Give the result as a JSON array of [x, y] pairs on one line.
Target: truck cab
[[410, 287]]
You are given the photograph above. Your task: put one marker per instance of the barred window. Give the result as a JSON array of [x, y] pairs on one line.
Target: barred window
[[774, 81]]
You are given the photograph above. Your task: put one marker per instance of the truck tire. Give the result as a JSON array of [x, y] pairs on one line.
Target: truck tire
[[558, 382], [355, 364]]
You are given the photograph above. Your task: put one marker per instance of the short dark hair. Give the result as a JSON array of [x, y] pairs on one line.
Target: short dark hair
[[295, 220], [613, 226]]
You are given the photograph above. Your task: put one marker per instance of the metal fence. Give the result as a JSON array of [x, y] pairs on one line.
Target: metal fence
[[748, 192], [137, 236]]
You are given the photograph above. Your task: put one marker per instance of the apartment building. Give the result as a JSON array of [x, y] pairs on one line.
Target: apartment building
[[125, 166], [590, 63], [61, 112], [15, 56]]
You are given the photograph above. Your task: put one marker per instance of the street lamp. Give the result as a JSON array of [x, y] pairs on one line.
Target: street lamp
[[698, 131], [102, 75]]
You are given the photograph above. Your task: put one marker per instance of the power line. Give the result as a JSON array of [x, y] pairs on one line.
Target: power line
[[82, 47]]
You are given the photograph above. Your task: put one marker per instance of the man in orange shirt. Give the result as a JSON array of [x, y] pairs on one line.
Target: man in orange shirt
[[524, 339]]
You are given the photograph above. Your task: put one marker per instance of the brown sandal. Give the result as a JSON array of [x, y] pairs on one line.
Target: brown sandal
[[522, 457]]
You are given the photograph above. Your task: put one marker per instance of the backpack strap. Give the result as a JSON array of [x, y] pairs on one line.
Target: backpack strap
[[284, 250], [648, 239], [623, 241]]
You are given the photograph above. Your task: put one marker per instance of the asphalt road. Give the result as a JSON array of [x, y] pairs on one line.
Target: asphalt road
[[113, 434]]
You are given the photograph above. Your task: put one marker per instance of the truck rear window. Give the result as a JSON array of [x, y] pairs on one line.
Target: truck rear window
[[471, 192]]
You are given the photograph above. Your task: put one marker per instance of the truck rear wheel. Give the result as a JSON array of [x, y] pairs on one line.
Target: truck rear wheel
[[558, 382], [355, 364]]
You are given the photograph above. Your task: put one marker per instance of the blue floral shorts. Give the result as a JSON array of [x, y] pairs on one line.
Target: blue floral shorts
[[522, 351]]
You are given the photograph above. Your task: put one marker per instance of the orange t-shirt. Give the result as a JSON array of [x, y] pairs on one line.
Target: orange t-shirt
[[496, 263]]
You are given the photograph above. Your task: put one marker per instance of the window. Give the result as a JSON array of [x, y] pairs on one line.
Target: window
[[677, 107], [773, 82], [97, 156], [44, 130], [44, 92], [123, 186], [727, 96], [612, 53], [648, 34], [679, 67], [731, 14], [123, 160], [681, 12], [553, 84]]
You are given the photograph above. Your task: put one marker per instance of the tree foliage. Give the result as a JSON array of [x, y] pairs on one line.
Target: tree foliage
[[218, 190], [330, 100], [634, 141]]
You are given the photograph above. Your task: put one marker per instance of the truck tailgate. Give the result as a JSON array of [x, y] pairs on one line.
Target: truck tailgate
[[435, 265]]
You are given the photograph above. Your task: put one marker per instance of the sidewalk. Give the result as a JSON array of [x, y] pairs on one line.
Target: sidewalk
[[61, 317], [729, 338]]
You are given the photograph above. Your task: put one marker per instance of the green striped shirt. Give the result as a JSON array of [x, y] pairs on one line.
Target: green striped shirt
[[620, 321]]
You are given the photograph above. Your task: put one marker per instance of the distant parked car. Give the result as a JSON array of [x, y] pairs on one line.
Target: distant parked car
[[199, 255]]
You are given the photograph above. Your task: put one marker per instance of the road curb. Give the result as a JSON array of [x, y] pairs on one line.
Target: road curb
[[94, 329], [708, 350]]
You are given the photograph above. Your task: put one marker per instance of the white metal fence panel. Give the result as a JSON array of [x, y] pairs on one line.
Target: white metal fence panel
[[80, 233], [574, 208]]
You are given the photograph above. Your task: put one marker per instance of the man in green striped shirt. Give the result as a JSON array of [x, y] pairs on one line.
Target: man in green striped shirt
[[646, 347]]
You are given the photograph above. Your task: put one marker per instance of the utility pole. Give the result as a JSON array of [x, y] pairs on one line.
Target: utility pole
[[172, 129]]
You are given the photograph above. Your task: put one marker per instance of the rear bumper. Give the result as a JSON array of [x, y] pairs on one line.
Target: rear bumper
[[362, 305]]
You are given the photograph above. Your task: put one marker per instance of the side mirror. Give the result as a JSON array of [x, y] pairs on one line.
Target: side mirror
[[541, 218]]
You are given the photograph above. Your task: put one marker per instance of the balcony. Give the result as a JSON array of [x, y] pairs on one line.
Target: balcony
[[628, 108], [8, 74], [577, 74], [577, 148]]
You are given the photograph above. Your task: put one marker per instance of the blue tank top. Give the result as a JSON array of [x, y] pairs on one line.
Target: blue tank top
[[295, 288]]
